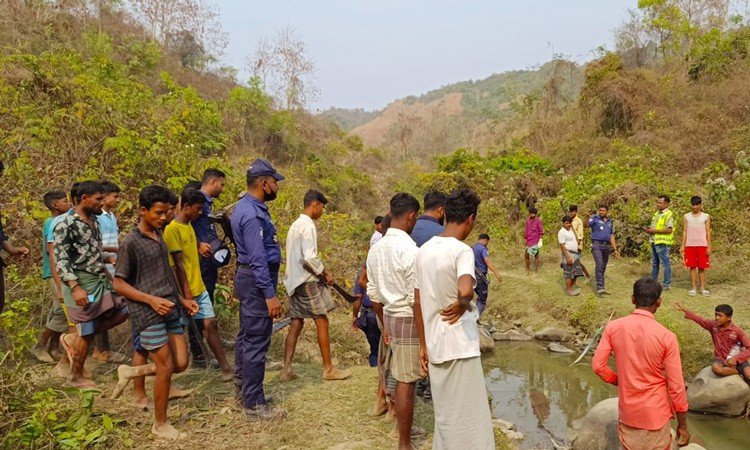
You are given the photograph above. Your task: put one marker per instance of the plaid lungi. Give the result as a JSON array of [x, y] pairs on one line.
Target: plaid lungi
[[404, 363], [571, 271], [310, 300]]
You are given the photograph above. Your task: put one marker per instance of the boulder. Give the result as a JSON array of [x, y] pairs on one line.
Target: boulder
[[553, 334], [517, 323], [508, 429], [708, 393], [486, 343], [510, 335], [559, 348], [599, 427]]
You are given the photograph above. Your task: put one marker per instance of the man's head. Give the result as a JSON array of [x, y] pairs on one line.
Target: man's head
[[90, 197], [404, 211], [315, 203], [385, 223], [154, 205], [532, 213], [212, 182], [461, 208], [56, 201], [567, 222], [191, 204], [723, 314], [647, 294], [484, 239], [262, 180], [603, 211], [174, 205], [434, 204], [696, 204], [662, 202], [111, 195], [378, 224], [573, 211], [74, 193]]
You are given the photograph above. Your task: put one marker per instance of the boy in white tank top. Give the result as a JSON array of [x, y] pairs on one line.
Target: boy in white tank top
[[696, 244]]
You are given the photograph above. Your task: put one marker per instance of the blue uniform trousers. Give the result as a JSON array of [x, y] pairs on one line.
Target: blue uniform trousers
[[368, 323], [482, 289], [253, 339], [600, 251]]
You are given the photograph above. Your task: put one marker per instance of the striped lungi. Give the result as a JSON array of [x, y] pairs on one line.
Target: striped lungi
[[404, 363], [310, 300]]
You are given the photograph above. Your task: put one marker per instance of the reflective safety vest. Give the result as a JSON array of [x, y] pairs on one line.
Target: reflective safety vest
[[661, 218]]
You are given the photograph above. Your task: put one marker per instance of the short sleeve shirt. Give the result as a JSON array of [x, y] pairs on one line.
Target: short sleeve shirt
[[568, 238], [480, 254], [601, 230], [440, 263], [46, 270], [142, 262], [180, 238]]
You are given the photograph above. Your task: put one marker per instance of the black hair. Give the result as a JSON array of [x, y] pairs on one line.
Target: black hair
[[75, 193], [51, 197], [173, 198], [724, 308], [695, 200], [603, 206], [573, 208], [666, 198], [386, 222], [212, 173], [532, 210], [460, 205], [646, 291], [314, 196], [109, 187], [484, 236], [567, 218], [434, 200], [89, 187], [402, 204], [253, 180], [378, 220], [151, 195], [192, 197], [193, 185]]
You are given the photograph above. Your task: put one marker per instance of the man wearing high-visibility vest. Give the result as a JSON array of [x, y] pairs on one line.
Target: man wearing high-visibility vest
[[662, 239]]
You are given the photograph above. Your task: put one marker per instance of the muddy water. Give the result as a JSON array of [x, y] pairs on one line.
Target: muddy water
[[538, 391]]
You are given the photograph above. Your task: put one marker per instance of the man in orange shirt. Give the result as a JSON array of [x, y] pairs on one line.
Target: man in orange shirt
[[649, 379]]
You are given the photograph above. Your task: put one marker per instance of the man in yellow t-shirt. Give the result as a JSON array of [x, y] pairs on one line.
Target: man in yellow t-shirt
[[578, 230], [183, 250]]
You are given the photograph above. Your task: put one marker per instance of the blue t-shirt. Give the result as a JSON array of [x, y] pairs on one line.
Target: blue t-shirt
[[46, 270], [366, 302], [425, 229], [480, 253]]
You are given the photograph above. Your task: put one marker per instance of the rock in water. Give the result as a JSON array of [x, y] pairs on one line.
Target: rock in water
[[599, 427], [553, 334], [559, 348], [486, 343], [729, 396], [511, 335]]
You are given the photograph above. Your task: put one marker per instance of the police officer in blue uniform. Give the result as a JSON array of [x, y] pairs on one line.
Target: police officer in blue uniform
[[258, 260], [602, 244]]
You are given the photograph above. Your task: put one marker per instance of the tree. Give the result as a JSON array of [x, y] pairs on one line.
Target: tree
[[286, 69]]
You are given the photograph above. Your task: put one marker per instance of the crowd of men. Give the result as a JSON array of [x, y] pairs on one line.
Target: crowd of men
[[414, 301]]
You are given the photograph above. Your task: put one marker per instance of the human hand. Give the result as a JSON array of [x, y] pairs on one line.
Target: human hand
[[732, 362], [162, 306], [274, 307], [454, 311], [617, 253], [678, 306], [499, 278], [708, 250], [204, 249], [19, 251], [386, 338], [683, 436], [80, 296], [190, 305], [327, 278], [569, 260], [354, 323], [423, 361]]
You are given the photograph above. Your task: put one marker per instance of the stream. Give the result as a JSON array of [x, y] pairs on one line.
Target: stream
[[531, 387]]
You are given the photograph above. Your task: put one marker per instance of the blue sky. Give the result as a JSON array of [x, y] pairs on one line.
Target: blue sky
[[369, 53]]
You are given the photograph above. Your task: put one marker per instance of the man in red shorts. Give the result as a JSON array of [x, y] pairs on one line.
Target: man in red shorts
[[696, 244]]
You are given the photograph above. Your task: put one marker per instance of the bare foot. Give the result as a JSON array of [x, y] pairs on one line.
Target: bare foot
[[143, 403], [168, 432], [227, 375], [380, 407], [81, 382], [99, 356], [336, 374], [287, 375]]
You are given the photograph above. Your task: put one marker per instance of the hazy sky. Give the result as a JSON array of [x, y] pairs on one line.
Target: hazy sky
[[371, 52]]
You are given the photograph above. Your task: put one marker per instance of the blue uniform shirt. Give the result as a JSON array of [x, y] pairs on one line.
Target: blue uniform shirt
[[256, 241], [366, 302], [601, 229], [204, 228], [480, 253], [425, 229]]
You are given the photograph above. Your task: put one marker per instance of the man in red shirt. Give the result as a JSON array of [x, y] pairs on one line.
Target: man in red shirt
[[649, 379], [731, 344]]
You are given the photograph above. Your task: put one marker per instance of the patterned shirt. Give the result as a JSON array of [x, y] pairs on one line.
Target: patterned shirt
[[143, 263], [78, 247]]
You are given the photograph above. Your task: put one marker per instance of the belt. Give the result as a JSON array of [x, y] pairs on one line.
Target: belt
[[597, 241]]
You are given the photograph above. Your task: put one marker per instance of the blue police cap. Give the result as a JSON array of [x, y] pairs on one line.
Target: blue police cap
[[260, 167]]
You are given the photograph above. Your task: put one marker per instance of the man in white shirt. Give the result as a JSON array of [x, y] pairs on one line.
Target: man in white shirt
[[444, 292], [306, 282], [569, 260], [390, 272]]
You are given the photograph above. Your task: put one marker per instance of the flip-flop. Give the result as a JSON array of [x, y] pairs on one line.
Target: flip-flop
[[67, 347]]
